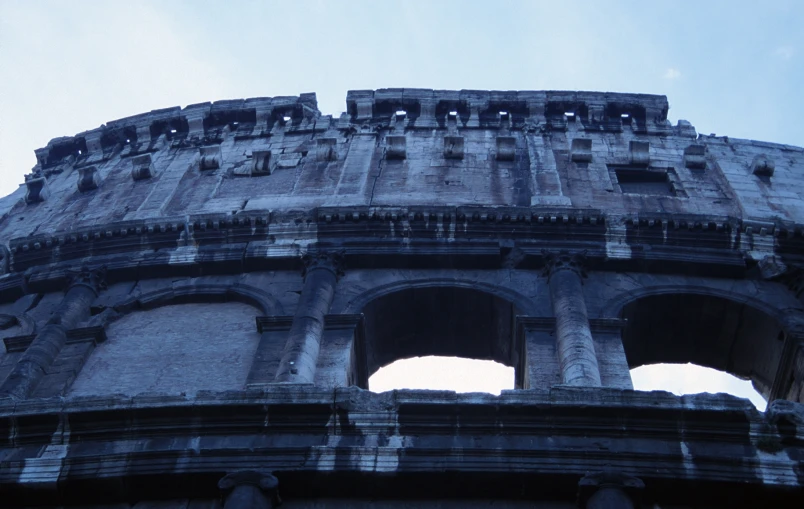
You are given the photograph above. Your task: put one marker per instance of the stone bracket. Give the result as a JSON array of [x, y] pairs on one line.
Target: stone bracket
[[210, 158], [142, 167], [395, 147], [261, 162], [640, 153], [506, 148], [581, 150], [762, 166], [88, 178], [36, 190], [695, 157]]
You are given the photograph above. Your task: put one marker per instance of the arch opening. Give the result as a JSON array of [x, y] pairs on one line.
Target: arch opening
[[690, 378], [443, 373], [707, 331], [428, 328]]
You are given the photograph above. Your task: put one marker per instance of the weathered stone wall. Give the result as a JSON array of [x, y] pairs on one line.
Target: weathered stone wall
[[183, 348], [196, 292]]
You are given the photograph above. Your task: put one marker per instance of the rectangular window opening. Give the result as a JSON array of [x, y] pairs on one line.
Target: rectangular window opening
[[653, 182]]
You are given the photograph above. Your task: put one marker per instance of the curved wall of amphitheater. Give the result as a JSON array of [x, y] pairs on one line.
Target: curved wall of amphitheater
[[192, 301]]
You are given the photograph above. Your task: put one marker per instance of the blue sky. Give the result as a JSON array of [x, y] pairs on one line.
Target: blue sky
[[730, 67]]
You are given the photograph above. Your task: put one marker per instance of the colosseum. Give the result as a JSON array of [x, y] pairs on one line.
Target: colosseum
[[192, 301]]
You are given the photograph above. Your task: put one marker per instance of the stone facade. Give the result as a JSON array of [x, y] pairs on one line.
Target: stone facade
[[192, 301]]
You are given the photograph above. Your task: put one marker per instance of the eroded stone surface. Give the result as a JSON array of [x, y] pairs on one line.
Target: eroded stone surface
[[443, 209]]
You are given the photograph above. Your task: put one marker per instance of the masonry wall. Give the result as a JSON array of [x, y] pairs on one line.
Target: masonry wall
[[230, 274]]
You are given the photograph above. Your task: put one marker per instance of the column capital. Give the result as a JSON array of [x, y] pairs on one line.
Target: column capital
[[609, 489], [329, 260], [250, 489], [564, 260], [94, 278]]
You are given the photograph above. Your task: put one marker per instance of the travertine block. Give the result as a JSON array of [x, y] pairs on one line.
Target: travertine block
[[88, 178], [142, 167], [396, 147], [581, 150]]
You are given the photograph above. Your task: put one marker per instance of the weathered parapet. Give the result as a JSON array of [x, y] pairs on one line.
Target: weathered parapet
[[196, 123], [596, 111], [571, 150]]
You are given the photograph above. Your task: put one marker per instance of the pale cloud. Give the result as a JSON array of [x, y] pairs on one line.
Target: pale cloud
[[784, 52], [672, 73]]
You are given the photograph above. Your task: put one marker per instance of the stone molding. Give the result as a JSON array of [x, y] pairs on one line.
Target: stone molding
[[95, 335]]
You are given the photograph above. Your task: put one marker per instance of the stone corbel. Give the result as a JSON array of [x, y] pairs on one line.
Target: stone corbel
[[36, 190], [396, 147], [695, 157], [210, 158], [326, 149], [640, 153], [506, 148], [93, 142], [581, 150], [88, 178], [142, 167], [365, 108], [763, 166], [261, 162]]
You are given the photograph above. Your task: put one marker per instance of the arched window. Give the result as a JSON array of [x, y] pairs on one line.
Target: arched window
[[708, 331], [173, 349], [435, 325]]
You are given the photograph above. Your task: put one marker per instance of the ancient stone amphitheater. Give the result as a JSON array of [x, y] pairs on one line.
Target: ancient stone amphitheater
[[192, 301]]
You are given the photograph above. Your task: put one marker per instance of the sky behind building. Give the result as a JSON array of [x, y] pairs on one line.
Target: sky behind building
[[729, 67]]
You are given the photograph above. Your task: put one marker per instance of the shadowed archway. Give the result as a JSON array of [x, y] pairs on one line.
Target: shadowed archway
[[440, 321], [706, 330]]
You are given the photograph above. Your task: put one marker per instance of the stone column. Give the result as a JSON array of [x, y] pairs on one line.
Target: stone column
[[574, 344], [609, 490], [249, 490], [49, 341], [300, 355]]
